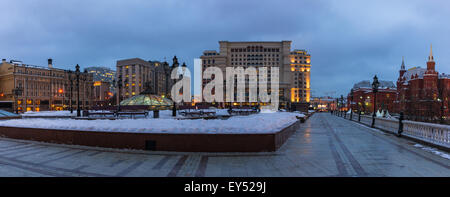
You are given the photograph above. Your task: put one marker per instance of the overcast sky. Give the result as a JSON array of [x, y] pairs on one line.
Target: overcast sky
[[349, 41]]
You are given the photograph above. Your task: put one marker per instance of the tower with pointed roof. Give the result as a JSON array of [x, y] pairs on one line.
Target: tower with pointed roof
[[430, 80], [430, 63], [402, 68]]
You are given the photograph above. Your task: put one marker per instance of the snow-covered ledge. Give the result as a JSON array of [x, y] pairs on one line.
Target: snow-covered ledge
[[254, 133], [257, 123]]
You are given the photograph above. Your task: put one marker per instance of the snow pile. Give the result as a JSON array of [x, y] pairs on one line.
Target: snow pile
[[433, 150], [257, 123], [50, 113]]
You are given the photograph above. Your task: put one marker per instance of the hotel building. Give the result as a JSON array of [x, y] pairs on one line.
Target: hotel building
[[136, 73], [294, 66]]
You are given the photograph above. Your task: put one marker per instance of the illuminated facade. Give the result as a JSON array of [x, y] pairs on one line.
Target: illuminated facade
[[300, 79], [102, 73], [136, 73], [423, 94], [363, 97], [323, 103], [102, 93], [43, 88], [294, 66]]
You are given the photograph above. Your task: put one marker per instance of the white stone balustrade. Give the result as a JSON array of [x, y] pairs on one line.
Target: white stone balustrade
[[387, 124], [433, 133], [366, 119], [428, 132]]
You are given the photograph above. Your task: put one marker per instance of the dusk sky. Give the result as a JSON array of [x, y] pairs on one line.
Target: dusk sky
[[349, 41]]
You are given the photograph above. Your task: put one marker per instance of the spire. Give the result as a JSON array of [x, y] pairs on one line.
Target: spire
[[431, 58], [403, 63], [175, 62]]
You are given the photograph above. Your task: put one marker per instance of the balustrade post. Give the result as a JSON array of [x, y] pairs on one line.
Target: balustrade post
[[400, 125]]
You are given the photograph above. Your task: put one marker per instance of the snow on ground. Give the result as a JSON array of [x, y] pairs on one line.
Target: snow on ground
[[162, 113], [50, 113], [433, 150], [257, 123]]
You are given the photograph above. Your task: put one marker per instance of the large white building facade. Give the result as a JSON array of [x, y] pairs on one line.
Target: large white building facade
[[294, 67]]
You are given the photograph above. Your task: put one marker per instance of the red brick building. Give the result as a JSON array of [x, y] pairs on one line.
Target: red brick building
[[423, 93], [363, 98]]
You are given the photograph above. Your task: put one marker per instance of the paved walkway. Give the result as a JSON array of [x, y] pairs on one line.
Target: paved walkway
[[324, 146]]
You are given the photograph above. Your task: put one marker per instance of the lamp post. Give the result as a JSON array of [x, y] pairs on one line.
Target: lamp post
[[17, 92], [77, 73], [84, 78], [375, 86], [118, 84], [71, 90], [167, 73], [342, 106], [442, 100], [336, 111], [351, 104], [175, 65]]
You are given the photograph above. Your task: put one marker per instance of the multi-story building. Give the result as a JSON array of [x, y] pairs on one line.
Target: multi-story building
[[423, 93], [294, 66], [363, 96], [103, 84], [323, 103], [102, 73], [42, 88], [137, 75], [102, 93]]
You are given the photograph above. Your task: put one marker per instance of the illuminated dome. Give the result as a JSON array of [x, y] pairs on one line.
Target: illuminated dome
[[147, 99]]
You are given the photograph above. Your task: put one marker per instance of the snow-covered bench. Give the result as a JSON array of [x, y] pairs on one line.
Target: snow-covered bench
[[196, 111], [243, 110], [132, 114], [98, 113]]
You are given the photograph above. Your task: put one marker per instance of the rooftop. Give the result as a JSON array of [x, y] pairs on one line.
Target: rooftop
[[368, 84]]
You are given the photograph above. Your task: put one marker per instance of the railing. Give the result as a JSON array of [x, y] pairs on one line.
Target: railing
[[431, 133], [387, 124], [436, 134], [355, 116], [366, 119]]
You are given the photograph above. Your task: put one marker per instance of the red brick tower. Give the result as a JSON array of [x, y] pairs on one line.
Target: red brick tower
[[430, 86], [402, 68], [400, 106]]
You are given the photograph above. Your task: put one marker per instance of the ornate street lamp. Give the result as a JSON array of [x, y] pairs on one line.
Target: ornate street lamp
[[442, 100], [167, 73], [118, 84], [336, 107], [77, 74], [175, 65], [342, 106], [17, 92], [71, 90], [351, 104], [375, 86], [84, 79]]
